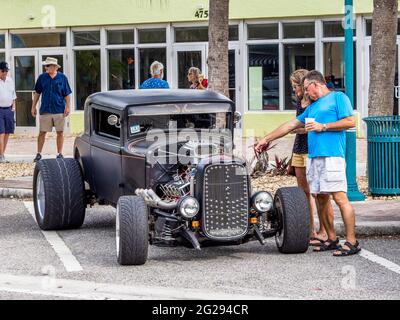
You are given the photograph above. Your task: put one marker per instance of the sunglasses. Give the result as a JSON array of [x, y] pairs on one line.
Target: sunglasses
[[306, 87]]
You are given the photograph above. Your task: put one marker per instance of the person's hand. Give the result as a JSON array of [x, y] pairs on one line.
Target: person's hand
[[34, 112], [314, 126], [261, 145], [67, 111]]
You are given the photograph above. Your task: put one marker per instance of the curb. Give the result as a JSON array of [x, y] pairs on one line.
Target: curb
[[16, 193], [372, 228]]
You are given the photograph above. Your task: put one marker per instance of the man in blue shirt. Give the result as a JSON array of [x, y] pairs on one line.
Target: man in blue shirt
[[156, 81], [55, 104], [325, 120]]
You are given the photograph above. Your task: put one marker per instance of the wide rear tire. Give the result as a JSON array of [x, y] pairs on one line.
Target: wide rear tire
[[58, 194], [132, 231], [293, 214]]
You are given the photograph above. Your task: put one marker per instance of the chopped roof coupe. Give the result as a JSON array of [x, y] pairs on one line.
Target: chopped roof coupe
[[164, 159]]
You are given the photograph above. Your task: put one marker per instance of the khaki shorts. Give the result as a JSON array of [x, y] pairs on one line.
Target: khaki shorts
[[326, 175], [49, 120], [299, 160]]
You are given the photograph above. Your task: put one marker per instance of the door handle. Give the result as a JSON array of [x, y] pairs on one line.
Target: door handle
[[397, 92]]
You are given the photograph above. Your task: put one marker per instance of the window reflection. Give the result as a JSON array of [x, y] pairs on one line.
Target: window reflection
[[33, 40], [264, 77], [121, 69], [87, 75], [334, 67], [297, 56], [2, 41]]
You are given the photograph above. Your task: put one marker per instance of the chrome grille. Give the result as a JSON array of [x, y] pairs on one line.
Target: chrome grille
[[225, 201]]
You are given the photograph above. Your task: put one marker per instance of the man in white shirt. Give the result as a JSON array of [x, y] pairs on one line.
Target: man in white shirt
[[7, 108]]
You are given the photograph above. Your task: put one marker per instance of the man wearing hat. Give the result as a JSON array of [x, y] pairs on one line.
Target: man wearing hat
[[55, 104], [7, 108]]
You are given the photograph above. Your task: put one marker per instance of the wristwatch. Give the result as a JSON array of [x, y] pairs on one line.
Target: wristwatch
[[324, 127]]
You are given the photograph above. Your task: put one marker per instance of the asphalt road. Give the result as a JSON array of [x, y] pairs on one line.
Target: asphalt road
[[34, 265]]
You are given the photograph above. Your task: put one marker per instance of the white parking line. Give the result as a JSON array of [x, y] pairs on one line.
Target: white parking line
[[70, 263], [77, 289], [379, 260]]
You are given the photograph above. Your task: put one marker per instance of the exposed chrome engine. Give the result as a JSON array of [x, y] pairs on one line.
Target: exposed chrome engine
[[179, 181]]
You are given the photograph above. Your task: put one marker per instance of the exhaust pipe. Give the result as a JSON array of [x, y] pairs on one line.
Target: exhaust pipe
[[153, 200]]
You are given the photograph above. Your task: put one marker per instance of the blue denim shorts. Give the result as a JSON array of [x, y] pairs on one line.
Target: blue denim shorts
[[7, 122]]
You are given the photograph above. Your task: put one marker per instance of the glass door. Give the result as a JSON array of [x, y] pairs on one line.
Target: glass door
[[25, 67], [186, 56]]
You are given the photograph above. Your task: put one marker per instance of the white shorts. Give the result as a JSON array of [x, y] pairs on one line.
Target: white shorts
[[326, 174]]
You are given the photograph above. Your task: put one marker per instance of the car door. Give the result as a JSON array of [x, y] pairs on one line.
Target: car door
[[106, 155]]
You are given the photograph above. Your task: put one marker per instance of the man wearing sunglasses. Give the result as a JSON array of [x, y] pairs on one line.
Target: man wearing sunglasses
[[7, 108], [55, 91], [325, 120]]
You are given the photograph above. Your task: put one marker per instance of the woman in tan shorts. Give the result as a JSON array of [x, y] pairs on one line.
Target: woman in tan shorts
[[300, 155]]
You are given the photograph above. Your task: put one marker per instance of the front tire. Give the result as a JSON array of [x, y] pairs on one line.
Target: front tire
[[132, 231], [293, 214], [58, 194]]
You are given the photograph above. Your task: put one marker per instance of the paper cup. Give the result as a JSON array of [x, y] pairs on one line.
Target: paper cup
[[309, 120]]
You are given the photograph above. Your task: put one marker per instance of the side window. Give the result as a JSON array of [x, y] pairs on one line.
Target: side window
[[102, 127]]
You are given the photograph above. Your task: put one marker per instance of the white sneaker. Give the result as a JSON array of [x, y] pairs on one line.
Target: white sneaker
[[2, 159]]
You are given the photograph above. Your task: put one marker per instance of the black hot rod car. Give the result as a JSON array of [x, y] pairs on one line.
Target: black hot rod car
[[164, 159]]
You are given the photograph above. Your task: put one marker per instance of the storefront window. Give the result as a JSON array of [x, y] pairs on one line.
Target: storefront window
[[191, 34], [263, 77], [2, 41], [87, 75], [121, 69], [152, 36], [297, 56], [233, 33], [200, 34], [299, 30], [120, 36], [146, 57], [335, 29], [263, 31], [2, 56], [34, 40], [334, 67], [86, 38], [187, 59]]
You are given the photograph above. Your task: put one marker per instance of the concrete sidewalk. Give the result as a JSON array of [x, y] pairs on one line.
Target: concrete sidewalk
[[373, 217]]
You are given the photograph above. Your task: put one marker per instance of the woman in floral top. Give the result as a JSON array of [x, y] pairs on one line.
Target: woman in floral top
[[300, 156]]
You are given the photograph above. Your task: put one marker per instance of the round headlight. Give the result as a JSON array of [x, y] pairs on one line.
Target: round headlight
[[262, 201], [188, 207]]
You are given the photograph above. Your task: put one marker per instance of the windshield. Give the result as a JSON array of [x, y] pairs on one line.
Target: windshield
[[144, 123]]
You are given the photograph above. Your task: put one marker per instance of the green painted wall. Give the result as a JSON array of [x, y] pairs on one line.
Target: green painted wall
[[261, 123], [76, 123], [108, 12]]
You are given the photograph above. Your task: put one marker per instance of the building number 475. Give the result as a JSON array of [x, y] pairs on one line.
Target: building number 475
[[201, 14]]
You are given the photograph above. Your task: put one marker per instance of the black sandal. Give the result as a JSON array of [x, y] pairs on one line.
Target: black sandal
[[354, 249], [328, 245], [316, 244]]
